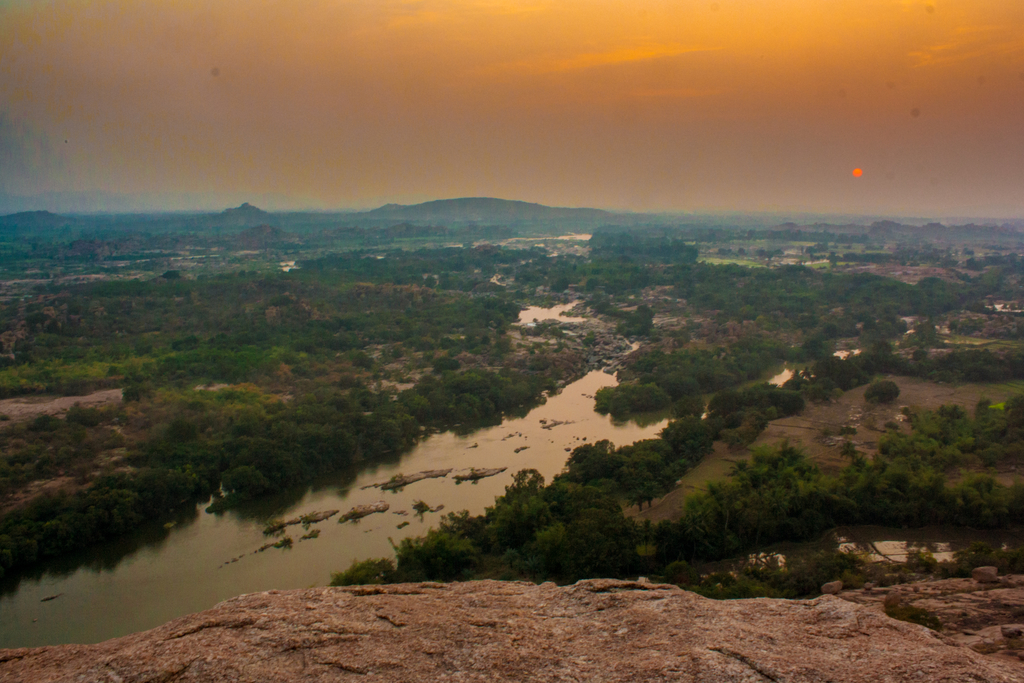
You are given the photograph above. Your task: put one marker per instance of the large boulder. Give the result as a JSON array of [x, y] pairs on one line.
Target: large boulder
[[831, 588], [598, 630], [985, 574]]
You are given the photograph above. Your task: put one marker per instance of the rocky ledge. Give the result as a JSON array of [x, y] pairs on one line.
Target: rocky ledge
[[985, 614], [598, 630]]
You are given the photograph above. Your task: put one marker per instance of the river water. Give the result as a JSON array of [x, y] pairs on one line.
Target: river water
[[159, 574]]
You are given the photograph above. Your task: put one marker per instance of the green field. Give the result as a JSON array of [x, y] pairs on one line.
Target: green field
[[988, 344]]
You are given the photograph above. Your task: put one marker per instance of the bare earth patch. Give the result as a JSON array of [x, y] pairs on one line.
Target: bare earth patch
[[29, 408], [35, 489]]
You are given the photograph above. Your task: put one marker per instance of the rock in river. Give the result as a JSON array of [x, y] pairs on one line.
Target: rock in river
[[360, 511], [479, 473]]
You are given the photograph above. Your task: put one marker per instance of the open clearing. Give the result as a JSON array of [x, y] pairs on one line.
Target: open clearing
[[816, 432], [29, 408]]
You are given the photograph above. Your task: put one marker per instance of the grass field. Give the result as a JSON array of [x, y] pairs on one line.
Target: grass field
[[1012, 387], [717, 260], [976, 343]]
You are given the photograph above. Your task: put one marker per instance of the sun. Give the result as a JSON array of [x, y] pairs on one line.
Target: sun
[[857, 173]]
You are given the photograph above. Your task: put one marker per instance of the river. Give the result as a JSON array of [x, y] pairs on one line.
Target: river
[[158, 574]]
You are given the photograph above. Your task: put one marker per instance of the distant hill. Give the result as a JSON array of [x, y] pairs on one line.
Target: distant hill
[[35, 220], [485, 210], [244, 216]]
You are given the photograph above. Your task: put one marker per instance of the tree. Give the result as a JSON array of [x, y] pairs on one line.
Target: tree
[[884, 391], [689, 437], [246, 482], [368, 571], [438, 556]]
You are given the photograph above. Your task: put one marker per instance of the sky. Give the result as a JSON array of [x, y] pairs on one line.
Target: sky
[[652, 105]]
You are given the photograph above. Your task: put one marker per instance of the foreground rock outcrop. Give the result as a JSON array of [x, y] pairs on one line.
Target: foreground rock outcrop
[[979, 614], [599, 630]]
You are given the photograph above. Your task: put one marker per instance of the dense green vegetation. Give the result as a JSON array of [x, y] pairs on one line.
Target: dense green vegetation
[[662, 379], [574, 526], [236, 328], [304, 398], [357, 354]]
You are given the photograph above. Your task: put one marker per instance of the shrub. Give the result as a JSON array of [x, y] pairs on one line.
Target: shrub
[[884, 391], [914, 615], [922, 561], [368, 571], [438, 556], [681, 573]]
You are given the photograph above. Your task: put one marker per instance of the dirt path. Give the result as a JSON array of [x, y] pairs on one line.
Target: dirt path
[[28, 408]]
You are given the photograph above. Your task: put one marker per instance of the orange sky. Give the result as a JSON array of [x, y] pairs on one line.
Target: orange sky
[[654, 105]]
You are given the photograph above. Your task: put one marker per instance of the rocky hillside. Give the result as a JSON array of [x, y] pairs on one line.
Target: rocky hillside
[[598, 630]]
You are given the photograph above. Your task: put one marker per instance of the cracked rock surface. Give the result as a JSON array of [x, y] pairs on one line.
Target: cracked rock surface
[[596, 630]]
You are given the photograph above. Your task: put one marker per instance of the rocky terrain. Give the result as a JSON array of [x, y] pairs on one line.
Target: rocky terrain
[[596, 630], [986, 616]]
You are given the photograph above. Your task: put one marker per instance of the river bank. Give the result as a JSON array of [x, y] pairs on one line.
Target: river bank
[[161, 573]]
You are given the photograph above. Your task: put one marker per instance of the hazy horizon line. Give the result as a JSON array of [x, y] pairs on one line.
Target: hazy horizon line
[[126, 205]]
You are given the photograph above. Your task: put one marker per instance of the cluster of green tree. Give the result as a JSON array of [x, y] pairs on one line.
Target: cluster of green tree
[[779, 495], [596, 275], [1009, 263], [573, 528], [65, 239], [820, 305], [643, 470], [624, 400], [882, 391], [246, 444], [563, 529], [948, 438], [236, 328], [471, 398], [739, 416], [658, 379], [114, 505]]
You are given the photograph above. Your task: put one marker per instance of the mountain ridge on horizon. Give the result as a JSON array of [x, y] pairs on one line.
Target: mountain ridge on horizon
[[475, 209], [460, 210]]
